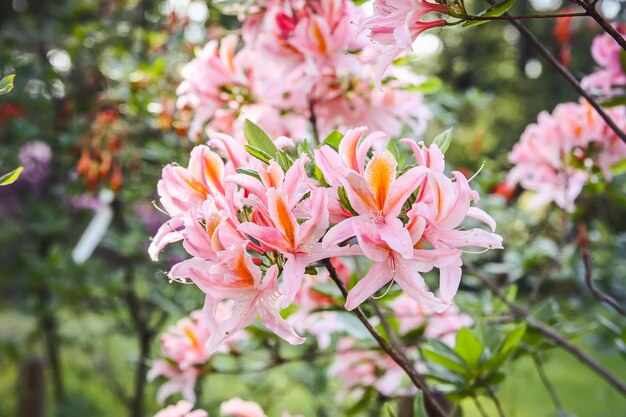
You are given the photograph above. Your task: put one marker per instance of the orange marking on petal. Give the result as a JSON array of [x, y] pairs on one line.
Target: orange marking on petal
[[285, 221], [240, 269], [319, 37], [192, 338], [380, 174], [213, 167]]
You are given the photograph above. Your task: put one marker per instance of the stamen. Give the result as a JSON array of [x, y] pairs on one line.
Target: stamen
[[386, 291]]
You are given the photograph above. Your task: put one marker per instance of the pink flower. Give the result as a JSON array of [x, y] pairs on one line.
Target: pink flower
[[607, 54], [378, 196], [237, 407], [565, 150], [178, 380], [396, 23], [182, 189], [181, 409], [389, 266], [185, 343], [236, 278], [443, 326]]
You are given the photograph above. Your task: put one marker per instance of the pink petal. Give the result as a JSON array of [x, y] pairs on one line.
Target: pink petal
[[393, 232], [274, 322], [379, 274], [401, 189], [478, 214]]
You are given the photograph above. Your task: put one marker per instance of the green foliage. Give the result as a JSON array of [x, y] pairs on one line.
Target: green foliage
[[443, 140], [474, 365], [497, 9], [6, 84], [10, 177]]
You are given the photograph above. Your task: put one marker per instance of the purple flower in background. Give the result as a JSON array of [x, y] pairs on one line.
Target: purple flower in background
[[36, 158]]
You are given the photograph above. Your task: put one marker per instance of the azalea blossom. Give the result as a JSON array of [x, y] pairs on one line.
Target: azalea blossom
[[256, 234], [397, 23], [181, 409], [610, 77], [565, 150]]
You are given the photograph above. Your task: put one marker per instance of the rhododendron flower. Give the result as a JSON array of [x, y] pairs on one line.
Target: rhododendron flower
[[253, 231], [181, 409], [178, 380], [238, 279], [565, 150], [607, 53], [443, 326], [237, 407], [396, 24]]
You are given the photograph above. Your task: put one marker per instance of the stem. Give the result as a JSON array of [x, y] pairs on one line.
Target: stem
[[479, 406], [548, 332], [526, 17], [394, 353], [546, 382], [599, 295], [313, 121], [590, 8], [496, 402], [566, 74]]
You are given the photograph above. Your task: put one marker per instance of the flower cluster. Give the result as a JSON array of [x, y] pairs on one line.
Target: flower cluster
[[235, 407], [397, 23], [565, 150], [256, 229], [299, 63], [610, 77], [185, 354]]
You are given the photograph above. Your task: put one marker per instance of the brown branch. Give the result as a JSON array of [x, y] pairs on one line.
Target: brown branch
[[548, 332], [590, 8], [397, 356], [527, 17], [599, 295], [566, 74]]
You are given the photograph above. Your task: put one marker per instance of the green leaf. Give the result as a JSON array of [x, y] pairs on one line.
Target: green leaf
[[619, 168], [258, 154], [283, 160], [443, 140], [343, 200], [614, 101], [430, 86], [333, 140], [11, 177], [249, 172], [513, 339], [450, 362], [468, 347], [393, 148], [6, 84], [257, 138], [497, 9], [388, 410], [419, 406]]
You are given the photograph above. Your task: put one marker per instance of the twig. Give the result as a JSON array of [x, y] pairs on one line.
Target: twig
[[549, 333], [546, 382], [496, 402], [599, 295], [590, 8], [479, 406], [566, 74], [526, 17], [396, 355]]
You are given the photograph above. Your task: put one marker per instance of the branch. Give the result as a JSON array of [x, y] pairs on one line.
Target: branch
[[394, 353], [526, 17], [548, 332], [546, 382], [590, 8], [599, 295], [566, 74]]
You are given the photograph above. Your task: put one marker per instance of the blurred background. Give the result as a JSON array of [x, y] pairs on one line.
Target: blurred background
[[92, 119]]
